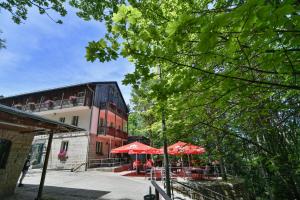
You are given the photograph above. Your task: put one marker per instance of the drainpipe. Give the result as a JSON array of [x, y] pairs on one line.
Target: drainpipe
[[90, 127], [109, 147]]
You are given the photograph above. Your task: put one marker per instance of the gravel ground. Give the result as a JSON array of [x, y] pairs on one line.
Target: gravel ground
[[83, 185]]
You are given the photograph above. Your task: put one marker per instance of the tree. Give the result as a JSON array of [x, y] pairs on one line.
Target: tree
[[2, 42], [231, 78], [145, 113], [19, 9]]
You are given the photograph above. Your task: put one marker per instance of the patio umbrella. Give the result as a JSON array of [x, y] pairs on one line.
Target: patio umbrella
[[192, 149], [133, 148], [136, 146], [174, 149], [150, 150], [180, 148]]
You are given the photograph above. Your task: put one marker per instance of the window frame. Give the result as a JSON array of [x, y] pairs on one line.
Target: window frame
[[62, 119], [4, 157], [75, 120], [101, 122], [99, 148], [64, 144]]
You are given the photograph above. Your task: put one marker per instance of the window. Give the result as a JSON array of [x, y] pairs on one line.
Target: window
[[81, 94], [111, 124], [62, 119], [99, 147], [36, 153], [75, 120], [64, 146], [4, 151], [101, 122], [125, 126], [100, 131]]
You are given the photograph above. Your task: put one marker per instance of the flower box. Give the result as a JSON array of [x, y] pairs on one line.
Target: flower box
[[62, 156], [73, 99], [49, 104]]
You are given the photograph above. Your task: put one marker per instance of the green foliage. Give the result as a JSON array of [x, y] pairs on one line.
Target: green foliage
[[2, 42], [145, 118], [19, 9], [229, 79]]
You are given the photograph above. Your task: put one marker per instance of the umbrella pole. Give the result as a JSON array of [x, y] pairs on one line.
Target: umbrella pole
[[136, 163], [189, 161], [181, 163]]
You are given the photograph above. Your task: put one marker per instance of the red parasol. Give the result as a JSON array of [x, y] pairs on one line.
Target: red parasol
[[174, 149], [150, 150], [137, 147], [193, 149], [180, 148]]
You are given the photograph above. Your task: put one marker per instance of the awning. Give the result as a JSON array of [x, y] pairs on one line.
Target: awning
[[11, 118]]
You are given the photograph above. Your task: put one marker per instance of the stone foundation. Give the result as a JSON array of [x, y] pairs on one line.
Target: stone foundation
[[20, 147], [234, 189]]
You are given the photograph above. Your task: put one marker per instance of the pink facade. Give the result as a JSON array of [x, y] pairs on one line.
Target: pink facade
[[110, 135]]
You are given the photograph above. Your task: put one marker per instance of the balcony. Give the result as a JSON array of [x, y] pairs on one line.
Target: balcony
[[52, 104], [112, 132], [114, 108]]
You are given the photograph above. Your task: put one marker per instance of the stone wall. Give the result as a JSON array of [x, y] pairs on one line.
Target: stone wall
[[206, 190], [77, 149], [19, 150]]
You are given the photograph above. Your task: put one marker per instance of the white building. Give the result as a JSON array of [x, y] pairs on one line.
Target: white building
[[97, 107]]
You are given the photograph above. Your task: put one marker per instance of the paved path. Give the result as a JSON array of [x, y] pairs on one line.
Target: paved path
[[62, 185]]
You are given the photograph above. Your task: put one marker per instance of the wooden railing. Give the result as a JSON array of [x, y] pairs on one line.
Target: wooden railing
[[159, 192], [112, 132], [52, 105]]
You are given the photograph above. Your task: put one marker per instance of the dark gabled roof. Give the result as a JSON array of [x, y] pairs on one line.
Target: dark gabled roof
[[27, 122], [70, 86]]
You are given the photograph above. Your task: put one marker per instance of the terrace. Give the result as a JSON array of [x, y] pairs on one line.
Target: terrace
[[52, 104], [112, 131], [50, 100]]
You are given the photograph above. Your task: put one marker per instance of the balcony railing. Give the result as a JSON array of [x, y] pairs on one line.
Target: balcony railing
[[52, 105], [112, 132]]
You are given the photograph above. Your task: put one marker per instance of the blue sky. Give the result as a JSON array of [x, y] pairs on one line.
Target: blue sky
[[41, 54]]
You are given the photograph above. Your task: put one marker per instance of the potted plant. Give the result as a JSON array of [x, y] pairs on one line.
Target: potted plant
[[73, 99], [49, 104], [62, 155]]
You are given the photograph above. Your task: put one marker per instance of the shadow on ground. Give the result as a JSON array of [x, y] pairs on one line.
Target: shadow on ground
[[56, 193]]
